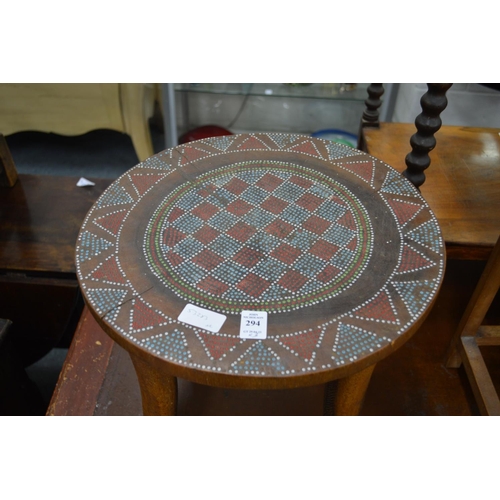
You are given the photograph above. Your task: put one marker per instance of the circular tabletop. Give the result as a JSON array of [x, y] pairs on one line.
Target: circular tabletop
[[338, 248]]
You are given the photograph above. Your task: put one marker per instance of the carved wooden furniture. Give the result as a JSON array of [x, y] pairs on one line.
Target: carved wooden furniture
[[74, 109], [341, 251], [463, 180], [471, 334]]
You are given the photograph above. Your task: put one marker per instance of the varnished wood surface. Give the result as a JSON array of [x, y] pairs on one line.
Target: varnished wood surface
[[136, 295], [39, 222], [462, 185], [83, 372], [412, 381]]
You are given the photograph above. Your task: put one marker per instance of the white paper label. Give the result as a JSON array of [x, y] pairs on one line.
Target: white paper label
[[253, 325], [202, 318]]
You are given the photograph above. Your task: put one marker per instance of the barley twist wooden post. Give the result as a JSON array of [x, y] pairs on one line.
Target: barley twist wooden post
[[428, 122], [371, 114]]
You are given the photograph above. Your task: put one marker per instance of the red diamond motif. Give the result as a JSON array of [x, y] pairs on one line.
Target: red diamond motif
[[175, 214], [236, 186], [248, 257], [253, 285], [207, 259], [274, 205], [207, 190], [239, 207], [300, 181], [316, 225], [323, 249], [292, 280], [328, 273], [241, 231], [286, 253], [205, 210], [172, 236], [213, 286], [309, 202], [279, 228], [174, 258], [269, 182], [206, 234]]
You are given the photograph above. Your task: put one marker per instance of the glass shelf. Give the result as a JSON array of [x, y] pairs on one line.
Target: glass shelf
[[334, 91]]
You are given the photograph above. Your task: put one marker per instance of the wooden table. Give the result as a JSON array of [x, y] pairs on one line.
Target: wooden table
[[339, 249], [40, 217]]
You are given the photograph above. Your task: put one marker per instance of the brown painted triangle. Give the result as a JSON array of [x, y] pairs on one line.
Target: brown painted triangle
[[411, 260], [191, 154], [252, 143], [404, 211], [143, 182], [112, 222], [108, 271], [363, 168], [306, 147], [218, 345], [303, 344], [378, 308], [144, 316]]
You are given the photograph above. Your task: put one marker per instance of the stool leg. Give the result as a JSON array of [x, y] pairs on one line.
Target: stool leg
[[344, 397], [158, 391]]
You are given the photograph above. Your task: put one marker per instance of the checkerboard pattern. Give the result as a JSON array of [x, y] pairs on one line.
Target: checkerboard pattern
[[257, 232]]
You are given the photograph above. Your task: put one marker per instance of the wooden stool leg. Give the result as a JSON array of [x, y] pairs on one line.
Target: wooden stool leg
[[158, 391], [344, 397]]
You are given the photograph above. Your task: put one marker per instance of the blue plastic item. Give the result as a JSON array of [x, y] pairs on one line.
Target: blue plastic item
[[336, 135]]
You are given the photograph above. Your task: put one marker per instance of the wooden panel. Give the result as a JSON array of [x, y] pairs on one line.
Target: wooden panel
[[488, 335], [463, 180], [40, 218], [81, 379], [62, 108]]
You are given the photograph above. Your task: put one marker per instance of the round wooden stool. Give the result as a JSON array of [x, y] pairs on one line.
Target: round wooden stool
[[339, 249]]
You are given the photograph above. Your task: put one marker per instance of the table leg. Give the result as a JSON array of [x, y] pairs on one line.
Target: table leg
[[344, 397], [158, 391]]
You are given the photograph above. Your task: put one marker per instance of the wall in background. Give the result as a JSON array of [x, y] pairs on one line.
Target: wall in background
[[469, 104]]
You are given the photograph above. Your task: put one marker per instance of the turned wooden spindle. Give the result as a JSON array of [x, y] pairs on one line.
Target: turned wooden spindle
[[371, 114], [428, 122]]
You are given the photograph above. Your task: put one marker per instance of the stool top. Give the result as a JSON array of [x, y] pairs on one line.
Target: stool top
[[339, 249]]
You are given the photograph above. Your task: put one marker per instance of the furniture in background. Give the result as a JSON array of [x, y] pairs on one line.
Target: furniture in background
[[471, 334], [39, 221], [74, 109], [462, 184]]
